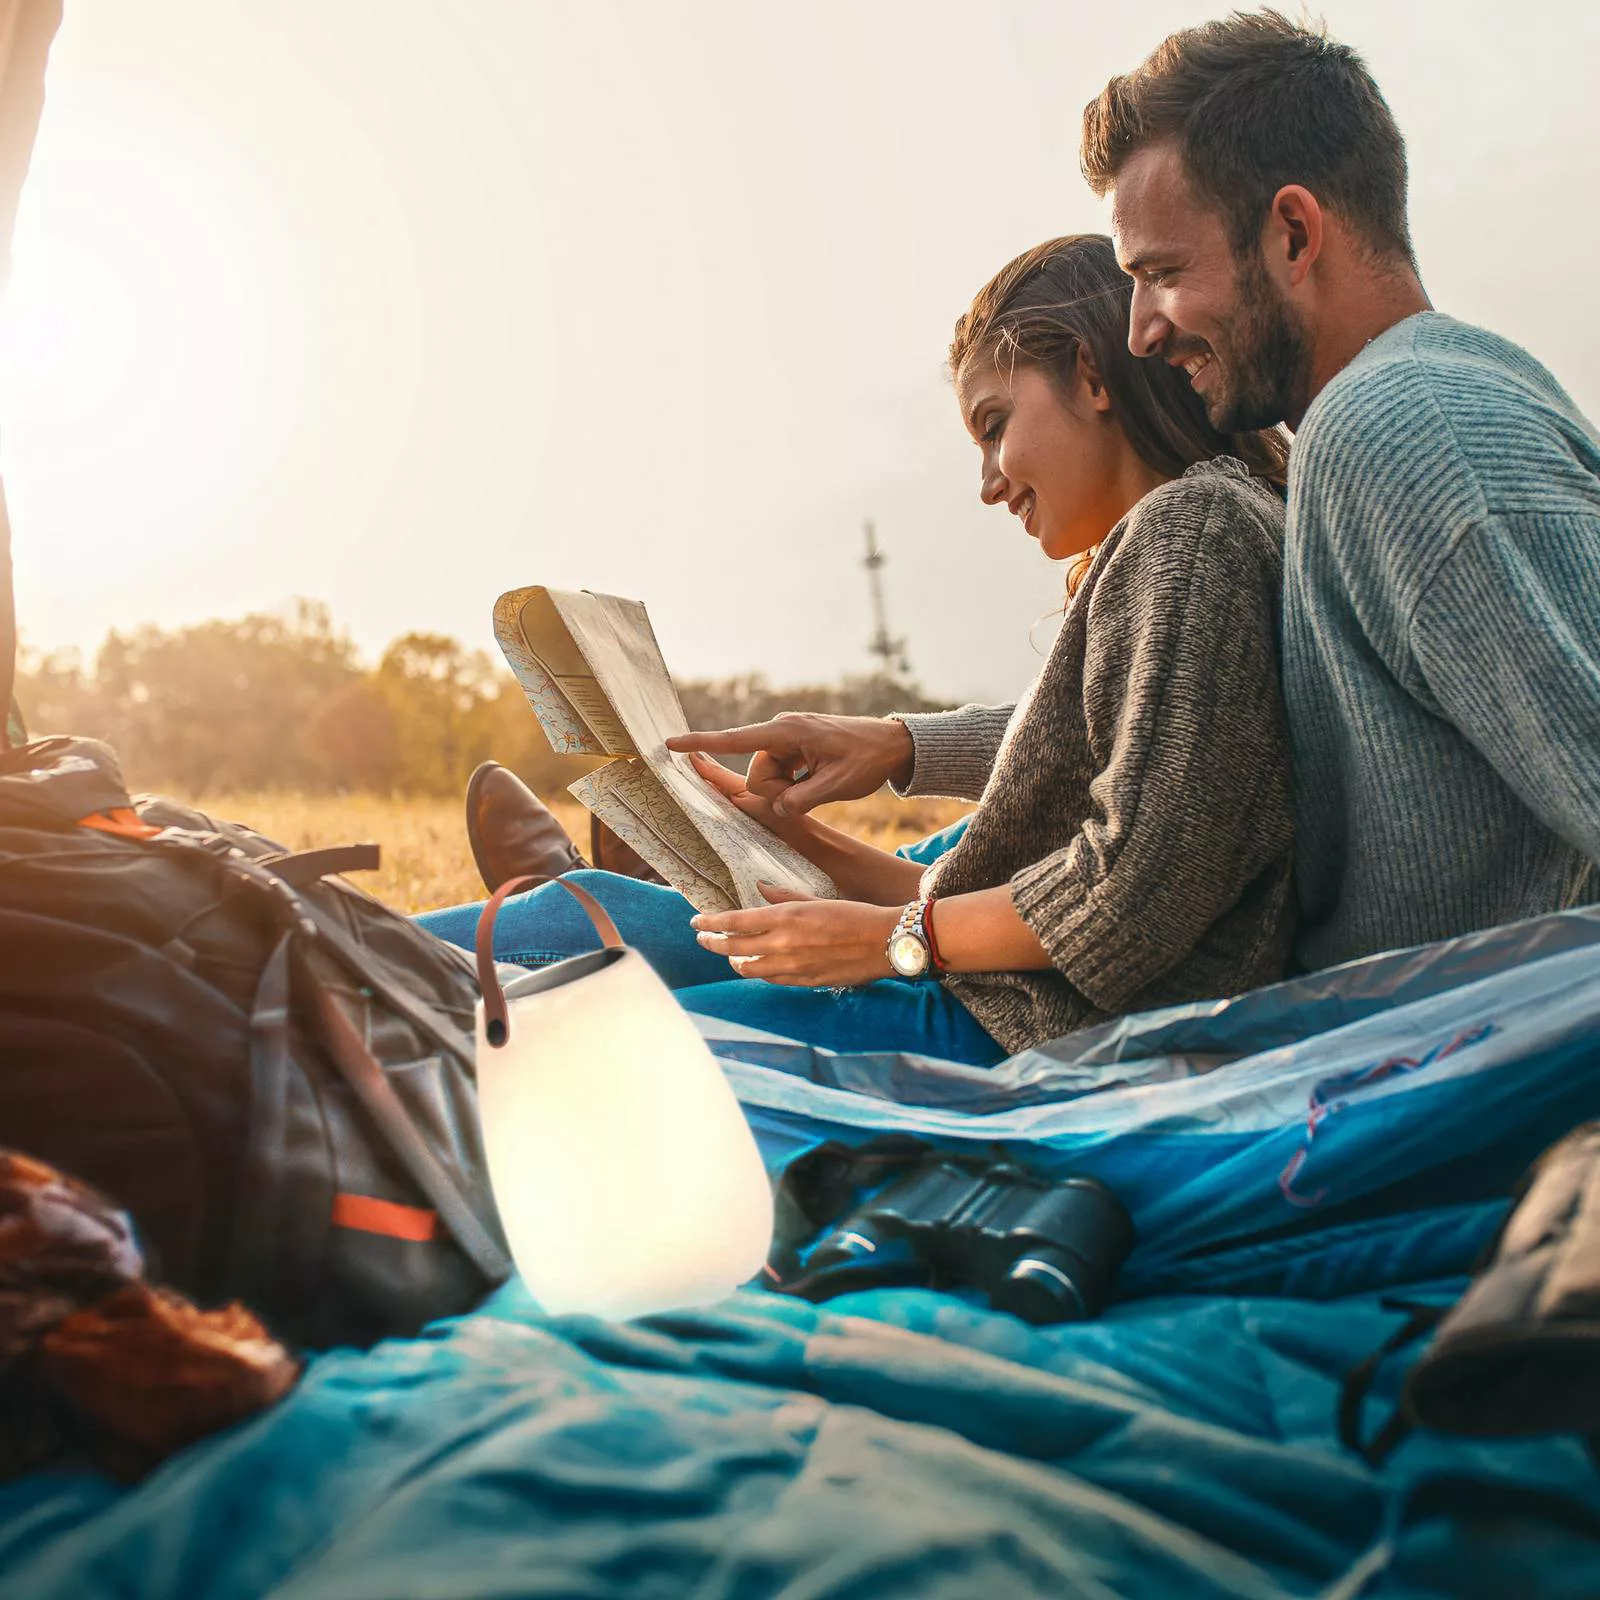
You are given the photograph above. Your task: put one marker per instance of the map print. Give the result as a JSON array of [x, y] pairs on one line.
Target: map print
[[593, 672]]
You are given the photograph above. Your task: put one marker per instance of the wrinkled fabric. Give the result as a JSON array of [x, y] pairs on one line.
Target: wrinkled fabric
[[766, 1448], [93, 1357]]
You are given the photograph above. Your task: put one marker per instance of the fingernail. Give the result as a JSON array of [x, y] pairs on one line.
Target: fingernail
[[779, 809], [695, 922]]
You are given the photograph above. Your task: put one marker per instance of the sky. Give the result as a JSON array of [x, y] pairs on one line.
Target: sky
[[398, 304]]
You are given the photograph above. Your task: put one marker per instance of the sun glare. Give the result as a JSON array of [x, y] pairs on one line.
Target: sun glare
[[68, 334], [149, 349]]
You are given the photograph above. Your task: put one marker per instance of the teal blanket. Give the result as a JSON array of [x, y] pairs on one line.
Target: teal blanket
[[1289, 1158], [1179, 1448]]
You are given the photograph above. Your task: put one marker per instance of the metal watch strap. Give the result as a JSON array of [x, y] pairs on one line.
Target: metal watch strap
[[912, 920]]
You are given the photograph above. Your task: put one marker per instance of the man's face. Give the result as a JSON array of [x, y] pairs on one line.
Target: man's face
[[1197, 305]]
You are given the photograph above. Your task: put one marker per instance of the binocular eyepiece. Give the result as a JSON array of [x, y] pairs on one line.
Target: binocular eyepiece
[[1046, 1252]]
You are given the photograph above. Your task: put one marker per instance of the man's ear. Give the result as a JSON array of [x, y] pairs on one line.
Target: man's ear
[[1093, 384], [1295, 232]]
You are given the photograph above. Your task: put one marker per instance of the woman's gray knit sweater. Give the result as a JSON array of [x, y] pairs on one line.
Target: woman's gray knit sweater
[[1136, 799]]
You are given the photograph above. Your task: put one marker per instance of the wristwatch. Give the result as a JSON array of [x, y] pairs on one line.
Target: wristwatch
[[911, 950]]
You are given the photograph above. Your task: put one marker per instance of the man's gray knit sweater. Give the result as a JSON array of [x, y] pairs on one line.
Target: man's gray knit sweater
[[1441, 644], [1136, 799]]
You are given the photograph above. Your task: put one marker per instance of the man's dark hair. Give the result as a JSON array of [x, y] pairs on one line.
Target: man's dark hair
[[1255, 102]]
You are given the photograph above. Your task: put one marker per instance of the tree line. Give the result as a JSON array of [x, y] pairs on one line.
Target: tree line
[[283, 700]]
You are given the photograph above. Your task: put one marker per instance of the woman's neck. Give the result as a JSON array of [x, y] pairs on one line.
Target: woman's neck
[[1134, 479]]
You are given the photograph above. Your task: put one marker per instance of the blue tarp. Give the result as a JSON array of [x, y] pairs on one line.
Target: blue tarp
[[1287, 1157]]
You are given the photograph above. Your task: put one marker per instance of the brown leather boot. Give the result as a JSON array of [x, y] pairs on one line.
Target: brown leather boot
[[613, 854], [511, 830]]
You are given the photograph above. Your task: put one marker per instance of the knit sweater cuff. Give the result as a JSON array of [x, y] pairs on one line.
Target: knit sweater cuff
[[1094, 943], [953, 752]]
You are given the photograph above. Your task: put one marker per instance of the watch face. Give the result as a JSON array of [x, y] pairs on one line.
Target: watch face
[[908, 955]]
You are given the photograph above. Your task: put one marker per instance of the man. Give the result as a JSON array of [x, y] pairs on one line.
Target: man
[[1442, 564], [1442, 568]]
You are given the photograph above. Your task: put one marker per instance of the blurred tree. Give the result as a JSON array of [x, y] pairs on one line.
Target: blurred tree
[[281, 702], [436, 690], [224, 704], [729, 702], [56, 694], [354, 735]]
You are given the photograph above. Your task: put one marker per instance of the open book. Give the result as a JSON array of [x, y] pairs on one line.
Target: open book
[[593, 673]]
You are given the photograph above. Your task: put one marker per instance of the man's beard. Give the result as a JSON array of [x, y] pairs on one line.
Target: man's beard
[[1266, 362]]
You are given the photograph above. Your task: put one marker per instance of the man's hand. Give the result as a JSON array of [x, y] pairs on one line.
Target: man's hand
[[804, 759], [802, 942]]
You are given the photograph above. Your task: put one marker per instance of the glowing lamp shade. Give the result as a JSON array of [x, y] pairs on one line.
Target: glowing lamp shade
[[625, 1174]]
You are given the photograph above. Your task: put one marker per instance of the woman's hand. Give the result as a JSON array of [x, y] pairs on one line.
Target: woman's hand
[[731, 786], [859, 871], [803, 942], [796, 831]]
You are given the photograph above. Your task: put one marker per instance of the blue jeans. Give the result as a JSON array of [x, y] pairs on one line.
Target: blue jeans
[[547, 925]]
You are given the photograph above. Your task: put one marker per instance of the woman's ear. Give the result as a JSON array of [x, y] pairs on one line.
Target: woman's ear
[[1091, 383]]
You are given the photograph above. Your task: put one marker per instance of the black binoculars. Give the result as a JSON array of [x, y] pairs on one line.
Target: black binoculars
[[1045, 1252]]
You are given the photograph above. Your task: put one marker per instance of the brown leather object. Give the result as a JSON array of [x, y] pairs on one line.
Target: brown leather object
[[612, 854], [61, 1247], [512, 832], [157, 1373], [91, 1355]]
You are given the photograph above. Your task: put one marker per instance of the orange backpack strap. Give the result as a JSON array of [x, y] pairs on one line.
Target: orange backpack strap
[[369, 1215], [123, 821]]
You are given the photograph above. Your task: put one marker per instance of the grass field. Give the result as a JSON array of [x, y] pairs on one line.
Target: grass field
[[426, 862]]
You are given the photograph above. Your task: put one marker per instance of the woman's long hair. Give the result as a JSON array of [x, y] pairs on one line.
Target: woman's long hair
[[1068, 295]]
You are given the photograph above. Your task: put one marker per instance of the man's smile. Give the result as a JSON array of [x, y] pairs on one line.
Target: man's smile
[[1194, 365]]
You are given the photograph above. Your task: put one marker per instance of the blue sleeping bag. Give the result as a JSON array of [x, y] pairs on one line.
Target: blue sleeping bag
[[1364, 1133], [1288, 1157]]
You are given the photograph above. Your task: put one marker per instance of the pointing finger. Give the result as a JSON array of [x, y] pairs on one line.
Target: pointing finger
[[737, 741]]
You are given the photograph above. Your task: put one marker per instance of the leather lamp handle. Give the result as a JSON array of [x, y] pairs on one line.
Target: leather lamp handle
[[497, 1021]]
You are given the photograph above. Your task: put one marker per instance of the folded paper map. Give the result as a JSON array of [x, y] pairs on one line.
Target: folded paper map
[[593, 673]]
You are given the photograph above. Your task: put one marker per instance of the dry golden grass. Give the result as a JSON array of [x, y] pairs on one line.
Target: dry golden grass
[[426, 862]]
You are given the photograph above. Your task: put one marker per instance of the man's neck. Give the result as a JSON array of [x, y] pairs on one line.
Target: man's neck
[[1372, 305]]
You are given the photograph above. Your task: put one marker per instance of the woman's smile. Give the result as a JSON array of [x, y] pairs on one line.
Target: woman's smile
[[1054, 462]]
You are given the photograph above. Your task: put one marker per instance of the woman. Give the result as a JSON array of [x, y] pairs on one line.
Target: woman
[[1131, 846]]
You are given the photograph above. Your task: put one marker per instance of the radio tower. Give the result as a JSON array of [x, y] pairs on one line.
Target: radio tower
[[889, 650]]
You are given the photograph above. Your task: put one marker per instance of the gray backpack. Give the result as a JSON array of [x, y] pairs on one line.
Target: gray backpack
[[271, 1071]]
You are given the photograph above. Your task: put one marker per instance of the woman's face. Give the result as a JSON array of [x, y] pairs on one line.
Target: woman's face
[[1057, 465]]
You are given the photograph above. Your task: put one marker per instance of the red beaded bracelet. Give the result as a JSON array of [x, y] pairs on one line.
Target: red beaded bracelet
[[939, 962]]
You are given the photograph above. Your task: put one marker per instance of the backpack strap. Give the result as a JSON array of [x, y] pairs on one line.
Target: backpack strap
[[1358, 1383], [321, 929], [369, 1083], [256, 1244], [301, 867]]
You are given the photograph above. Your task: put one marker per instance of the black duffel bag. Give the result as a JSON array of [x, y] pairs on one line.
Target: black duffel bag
[[271, 1071]]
